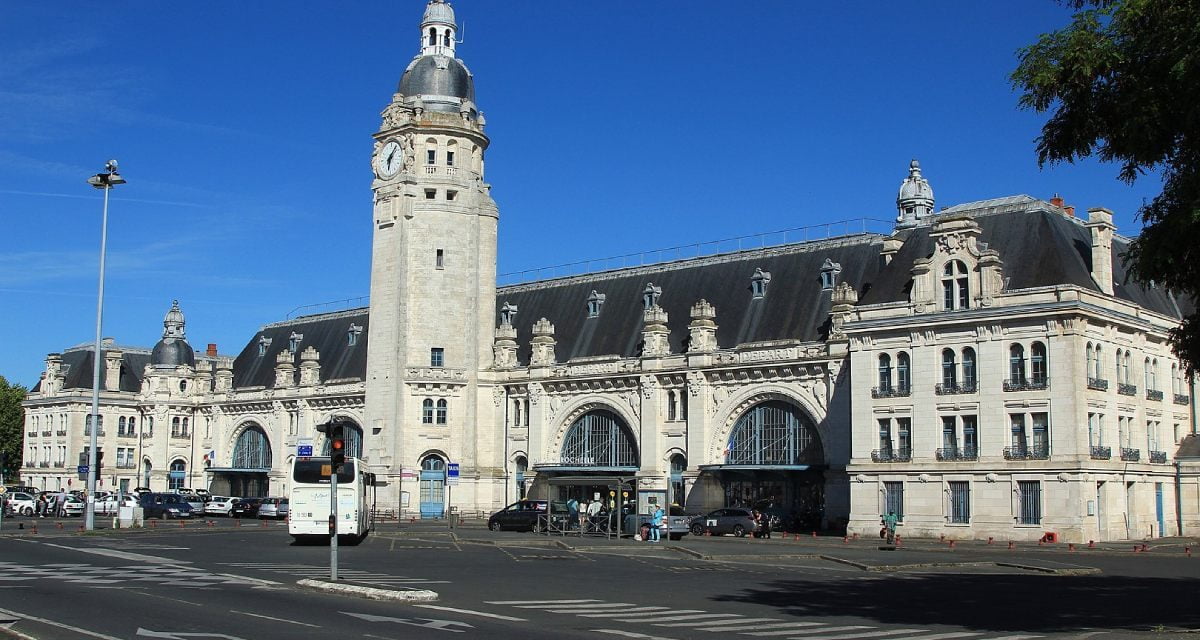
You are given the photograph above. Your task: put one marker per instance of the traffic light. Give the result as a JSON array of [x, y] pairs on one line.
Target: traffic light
[[336, 433]]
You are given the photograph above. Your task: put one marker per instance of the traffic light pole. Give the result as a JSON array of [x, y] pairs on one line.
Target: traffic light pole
[[333, 524]]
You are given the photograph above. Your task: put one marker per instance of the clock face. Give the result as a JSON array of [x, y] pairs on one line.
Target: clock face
[[390, 160]]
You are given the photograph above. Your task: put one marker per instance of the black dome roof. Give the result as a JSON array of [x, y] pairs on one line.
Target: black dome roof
[[437, 76], [173, 352]]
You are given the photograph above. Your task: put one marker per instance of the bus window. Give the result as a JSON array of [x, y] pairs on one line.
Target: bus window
[[310, 471]]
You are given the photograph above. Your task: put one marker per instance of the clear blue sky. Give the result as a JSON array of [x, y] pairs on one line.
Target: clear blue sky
[[244, 131]]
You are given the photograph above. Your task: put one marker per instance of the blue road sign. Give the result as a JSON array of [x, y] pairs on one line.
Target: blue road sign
[[452, 470], [83, 468], [304, 451]]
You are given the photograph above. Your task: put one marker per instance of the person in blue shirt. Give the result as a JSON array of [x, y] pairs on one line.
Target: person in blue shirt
[[656, 521]]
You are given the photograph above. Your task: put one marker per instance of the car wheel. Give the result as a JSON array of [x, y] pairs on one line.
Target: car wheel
[[697, 529], [494, 525], [27, 511], [739, 530]]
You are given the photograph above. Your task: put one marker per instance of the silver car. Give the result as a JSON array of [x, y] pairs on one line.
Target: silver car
[[737, 521], [273, 508]]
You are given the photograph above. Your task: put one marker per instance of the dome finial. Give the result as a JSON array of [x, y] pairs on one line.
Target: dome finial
[[438, 29], [173, 322], [915, 200]]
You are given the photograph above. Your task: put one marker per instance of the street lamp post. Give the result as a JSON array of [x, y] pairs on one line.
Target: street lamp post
[[105, 180]]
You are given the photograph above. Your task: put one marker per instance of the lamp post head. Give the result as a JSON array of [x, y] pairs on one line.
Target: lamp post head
[[109, 178]]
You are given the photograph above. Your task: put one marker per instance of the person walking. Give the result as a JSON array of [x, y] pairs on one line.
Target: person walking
[[656, 521], [889, 526], [593, 512]]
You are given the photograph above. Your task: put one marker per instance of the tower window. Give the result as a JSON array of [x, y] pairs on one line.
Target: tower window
[[451, 195], [449, 158], [829, 274], [431, 156], [437, 357], [430, 194], [441, 259], [446, 38], [441, 411], [432, 36]]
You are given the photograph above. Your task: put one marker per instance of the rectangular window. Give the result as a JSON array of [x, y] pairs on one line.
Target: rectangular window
[[430, 194], [449, 158], [904, 435], [451, 195], [970, 436], [893, 499], [948, 295], [949, 434], [1019, 440], [1041, 434], [440, 260], [437, 357], [1092, 432], [960, 502], [1030, 494], [885, 436], [431, 156], [964, 300]]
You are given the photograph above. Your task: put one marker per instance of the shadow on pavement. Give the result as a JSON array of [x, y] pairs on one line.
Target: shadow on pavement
[[993, 602]]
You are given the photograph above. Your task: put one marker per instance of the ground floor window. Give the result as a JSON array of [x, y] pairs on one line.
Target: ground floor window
[[960, 502], [893, 499], [1029, 493], [176, 476]]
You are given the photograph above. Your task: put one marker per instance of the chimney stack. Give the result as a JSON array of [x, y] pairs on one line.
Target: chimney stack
[[1101, 225], [1057, 201], [211, 351], [1070, 211]]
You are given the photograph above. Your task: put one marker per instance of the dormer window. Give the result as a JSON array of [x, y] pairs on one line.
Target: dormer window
[[759, 282], [352, 334], [508, 312], [594, 302], [294, 341], [264, 343], [829, 274], [956, 293], [650, 296]]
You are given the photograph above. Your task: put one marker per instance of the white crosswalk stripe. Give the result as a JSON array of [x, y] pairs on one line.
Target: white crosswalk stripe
[[349, 575], [687, 620], [91, 575]]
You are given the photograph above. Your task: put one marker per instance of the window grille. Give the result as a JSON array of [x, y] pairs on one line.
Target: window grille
[[599, 439], [774, 433], [960, 502]]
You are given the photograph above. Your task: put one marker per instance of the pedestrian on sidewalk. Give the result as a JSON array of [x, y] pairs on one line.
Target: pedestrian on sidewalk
[[656, 521]]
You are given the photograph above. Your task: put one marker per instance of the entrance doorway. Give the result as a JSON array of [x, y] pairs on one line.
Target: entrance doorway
[[433, 487]]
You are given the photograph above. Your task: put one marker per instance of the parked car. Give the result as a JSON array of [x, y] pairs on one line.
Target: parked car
[[679, 523], [519, 516], [273, 508], [219, 506], [195, 501], [737, 521], [74, 506], [112, 503], [20, 502], [164, 505], [245, 507]]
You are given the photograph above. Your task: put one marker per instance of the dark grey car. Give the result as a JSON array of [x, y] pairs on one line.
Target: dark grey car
[[737, 521]]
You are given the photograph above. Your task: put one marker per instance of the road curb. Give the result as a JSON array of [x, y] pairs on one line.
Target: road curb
[[415, 595]]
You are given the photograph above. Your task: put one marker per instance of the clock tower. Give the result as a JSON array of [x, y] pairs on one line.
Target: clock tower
[[433, 281]]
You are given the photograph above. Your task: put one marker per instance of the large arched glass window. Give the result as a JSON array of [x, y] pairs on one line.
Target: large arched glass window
[[252, 450], [955, 291], [1038, 366], [970, 375], [1016, 364], [599, 439], [774, 433], [949, 369], [903, 373], [885, 373], [176, 475]]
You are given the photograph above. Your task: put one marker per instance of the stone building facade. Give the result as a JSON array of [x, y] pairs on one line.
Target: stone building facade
[[984, 370]]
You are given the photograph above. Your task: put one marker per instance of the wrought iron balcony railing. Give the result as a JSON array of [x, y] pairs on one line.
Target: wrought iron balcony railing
[[1182, 398], [891, 392], [1127, 389], [891, 455], [1101, 453], [1131, 455], [60, 432], [1099, 384], [1029, 384], [1038, 452], [43, 465], [951, 389], [1154, 394], [957, 454], [126, 465], [60, 464], [1158, 457], [46, 433], [127, 434]]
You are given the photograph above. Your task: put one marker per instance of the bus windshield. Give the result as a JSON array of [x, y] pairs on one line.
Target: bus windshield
[[316, 471]]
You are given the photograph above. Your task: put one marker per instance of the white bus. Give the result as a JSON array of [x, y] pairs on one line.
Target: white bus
[[308, 514]]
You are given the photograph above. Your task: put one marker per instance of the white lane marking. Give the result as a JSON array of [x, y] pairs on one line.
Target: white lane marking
[[649, 617], [787, 625], [871, 634], [687, 617], [940, 636], [851, 627], [1016, 637], [520, 602], [257, 615], [823, 629], [656, 610], [629, 634], [571, 607], [124, 555], [58, 624], [470, 612], [709, 623]]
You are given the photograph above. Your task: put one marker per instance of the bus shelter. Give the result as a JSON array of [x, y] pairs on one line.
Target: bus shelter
[[614, 492]]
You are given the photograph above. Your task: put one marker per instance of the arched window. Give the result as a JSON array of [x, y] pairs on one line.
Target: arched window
[[774, 433], [176, 475], [1099, 363], [1091, 361], [599, 439], [955, 290], [1016, 364], [1128, 367], [252, 450], [427, 411], [522, 465], [121, 426], [885, 373], [1175, 380], [903, 377], [1038, 366], [446, 38], [949, 370], [970, 375], [175, 427], [671, 408], [132, 426], [441, 411], [432, 36], [526, 412], [184, 433]]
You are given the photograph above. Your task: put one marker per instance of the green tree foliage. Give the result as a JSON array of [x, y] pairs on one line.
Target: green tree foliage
[[12, 426], [1122, 81]]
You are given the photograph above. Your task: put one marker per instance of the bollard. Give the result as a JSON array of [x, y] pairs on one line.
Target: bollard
[[1011, 546], [1137, 549], [942, 537], [989, 539], [855, 537], [1145, 548], [796, 537], [814, 534], [952, 544], [1187, 551], [1070, 546], [264, 523], [898, 543], [237, 522], [154, 524], [181, 524], [20, 525], [59, 524], [82, 528], [845, 540], [1091, 544], [35, 528]]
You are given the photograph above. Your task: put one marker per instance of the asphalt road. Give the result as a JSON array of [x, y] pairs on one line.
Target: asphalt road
[[240, 582]]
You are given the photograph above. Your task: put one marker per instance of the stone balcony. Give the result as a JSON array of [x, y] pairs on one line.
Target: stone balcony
[[891, 455], [1154, 394]]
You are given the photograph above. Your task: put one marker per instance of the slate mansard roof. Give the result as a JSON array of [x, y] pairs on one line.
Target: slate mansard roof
[[77, 366], [327, 333]]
